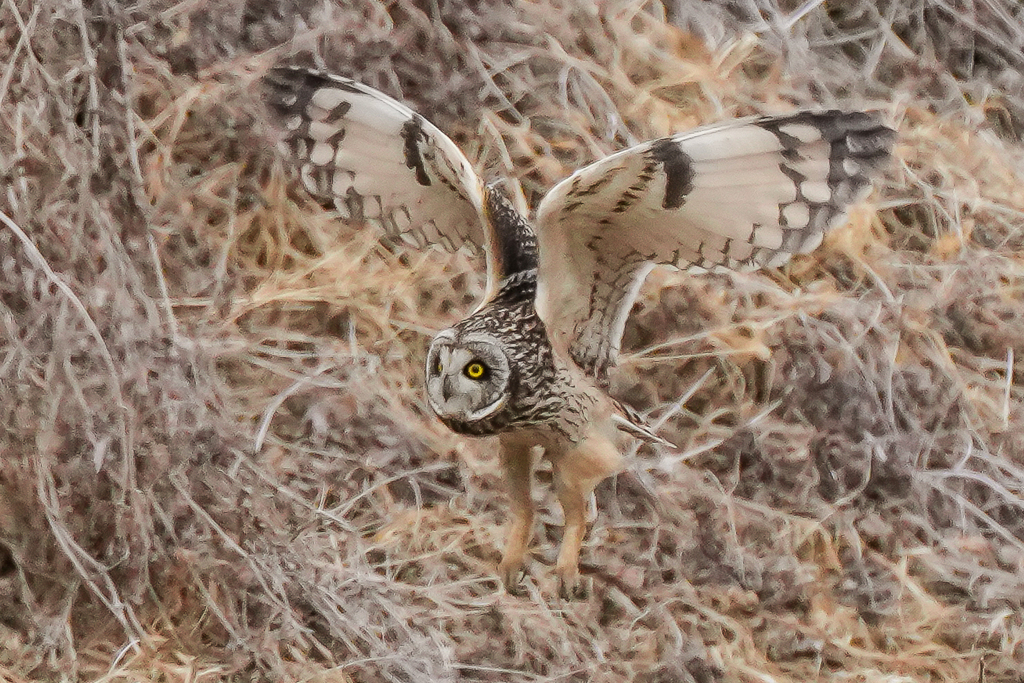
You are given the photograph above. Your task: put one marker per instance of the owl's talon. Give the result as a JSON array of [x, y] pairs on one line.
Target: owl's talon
[[512, 576], [572, 586], [741, 194]]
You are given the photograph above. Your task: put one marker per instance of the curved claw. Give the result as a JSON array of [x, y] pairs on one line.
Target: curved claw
[[511, 575], [572, 586]]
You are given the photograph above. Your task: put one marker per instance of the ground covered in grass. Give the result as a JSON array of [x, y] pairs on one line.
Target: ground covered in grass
[[216, 461]]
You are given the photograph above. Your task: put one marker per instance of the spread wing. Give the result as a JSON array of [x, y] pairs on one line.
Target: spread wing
[[739, 195], [379, 162]]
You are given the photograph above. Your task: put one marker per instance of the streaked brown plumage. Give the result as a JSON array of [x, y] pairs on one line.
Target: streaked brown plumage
[[528, 365]]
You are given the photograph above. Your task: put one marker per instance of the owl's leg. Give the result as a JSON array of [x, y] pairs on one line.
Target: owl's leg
[[517, 462], [576, 473]]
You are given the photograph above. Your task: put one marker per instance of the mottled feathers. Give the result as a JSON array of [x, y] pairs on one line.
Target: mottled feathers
[[742, 194], [376, 160], [739, 195]]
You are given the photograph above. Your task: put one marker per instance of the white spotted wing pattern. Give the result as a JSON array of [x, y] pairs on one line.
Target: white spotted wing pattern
[[738, 195], [743, 194], [377, 161]]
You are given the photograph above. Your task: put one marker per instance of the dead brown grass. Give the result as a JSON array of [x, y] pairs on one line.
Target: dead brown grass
[[216, 462]]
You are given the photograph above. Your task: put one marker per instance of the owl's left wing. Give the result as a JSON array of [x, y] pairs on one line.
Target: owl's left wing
[[740, 195], [379, 162]]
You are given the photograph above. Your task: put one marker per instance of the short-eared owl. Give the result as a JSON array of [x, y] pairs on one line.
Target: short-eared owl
[[528, 364]]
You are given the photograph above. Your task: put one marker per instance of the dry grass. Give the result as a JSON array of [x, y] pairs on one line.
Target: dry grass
[[216, 462]]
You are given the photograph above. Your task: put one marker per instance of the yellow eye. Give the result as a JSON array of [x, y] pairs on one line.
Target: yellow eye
[[438, 368], [475, 370]]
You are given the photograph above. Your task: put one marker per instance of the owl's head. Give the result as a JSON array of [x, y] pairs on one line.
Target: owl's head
[[468, 374]]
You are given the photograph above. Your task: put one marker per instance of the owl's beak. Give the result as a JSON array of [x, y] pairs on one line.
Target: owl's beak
[[446, 388]]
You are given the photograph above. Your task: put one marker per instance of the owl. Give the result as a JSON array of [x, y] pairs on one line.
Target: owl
[[529, 365]]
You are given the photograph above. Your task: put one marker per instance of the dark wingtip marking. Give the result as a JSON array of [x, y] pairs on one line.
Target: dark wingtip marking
[[678, 171], [296, 77], [412, 134], [288, 89], [857, 135], [281, 90]]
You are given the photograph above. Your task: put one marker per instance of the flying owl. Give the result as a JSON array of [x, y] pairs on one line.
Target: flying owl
[[529, 364]]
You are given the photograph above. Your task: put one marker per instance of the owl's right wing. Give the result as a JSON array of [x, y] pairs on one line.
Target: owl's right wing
[[379, 162], [738, 195]]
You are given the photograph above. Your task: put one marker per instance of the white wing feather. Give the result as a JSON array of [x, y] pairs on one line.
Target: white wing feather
[[378, 161], [739, 195]]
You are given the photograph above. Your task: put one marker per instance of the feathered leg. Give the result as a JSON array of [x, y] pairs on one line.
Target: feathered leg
[[517, 462], [576, 472]]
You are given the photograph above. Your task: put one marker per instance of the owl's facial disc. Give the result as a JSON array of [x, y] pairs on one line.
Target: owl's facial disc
[[466, 376]]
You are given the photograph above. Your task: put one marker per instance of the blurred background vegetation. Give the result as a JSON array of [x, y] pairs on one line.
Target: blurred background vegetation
[[216, 462]]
